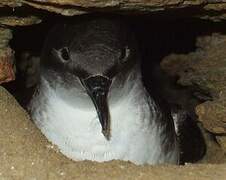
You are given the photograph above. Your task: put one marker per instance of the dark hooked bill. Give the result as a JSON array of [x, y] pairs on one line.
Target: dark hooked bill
[[97, 88]]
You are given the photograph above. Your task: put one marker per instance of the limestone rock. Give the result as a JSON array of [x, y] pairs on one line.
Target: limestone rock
[[213, 115], [10, 3], [7, 68], [66, 11], [210, 9], [140, 5], [6, 57], [222, 141], [205, 71], [19, 21]]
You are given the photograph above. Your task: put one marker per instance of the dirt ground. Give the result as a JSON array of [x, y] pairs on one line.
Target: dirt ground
[[26, 154]]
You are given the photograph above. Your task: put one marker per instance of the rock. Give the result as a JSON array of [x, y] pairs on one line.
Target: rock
[[10, 3], [205, 71], [214, 152], [6, 57], [222, 141], [26, 154], [140, 5], [219, 10], [212, 114], [7, 68], [207, 9], [204, 68], [66, 11], [19, 21], [5, 37]]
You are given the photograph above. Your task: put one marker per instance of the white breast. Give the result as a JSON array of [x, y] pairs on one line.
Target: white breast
[[77, 131]]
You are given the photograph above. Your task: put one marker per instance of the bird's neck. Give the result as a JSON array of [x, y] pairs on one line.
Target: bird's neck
[[132, 87], [75, 127]]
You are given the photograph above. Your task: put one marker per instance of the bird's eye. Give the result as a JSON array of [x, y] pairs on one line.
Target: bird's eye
[[124, 54], [64, 54]]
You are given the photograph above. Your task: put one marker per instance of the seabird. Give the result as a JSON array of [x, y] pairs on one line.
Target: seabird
[[90, 100]]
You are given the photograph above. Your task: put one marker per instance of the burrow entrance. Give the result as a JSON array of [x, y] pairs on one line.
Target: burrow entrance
[[158, 37]]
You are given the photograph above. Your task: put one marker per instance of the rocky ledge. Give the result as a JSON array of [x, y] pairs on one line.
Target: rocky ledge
[[214, 9], [205, 71]]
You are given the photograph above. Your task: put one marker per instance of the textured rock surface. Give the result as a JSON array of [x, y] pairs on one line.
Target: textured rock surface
[[19, 21], [205, 71], [212, 9], [67, 11], [11, 3], [7, 68], [26, 154], [6, 57]]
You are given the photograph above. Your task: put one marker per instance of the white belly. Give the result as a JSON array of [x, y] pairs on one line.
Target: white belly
[[77, 131]]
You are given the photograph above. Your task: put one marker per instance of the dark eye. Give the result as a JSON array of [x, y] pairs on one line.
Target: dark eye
[[124, 54], [64, 54]]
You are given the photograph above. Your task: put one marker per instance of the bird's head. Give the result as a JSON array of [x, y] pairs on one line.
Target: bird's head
[[94, 53]]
